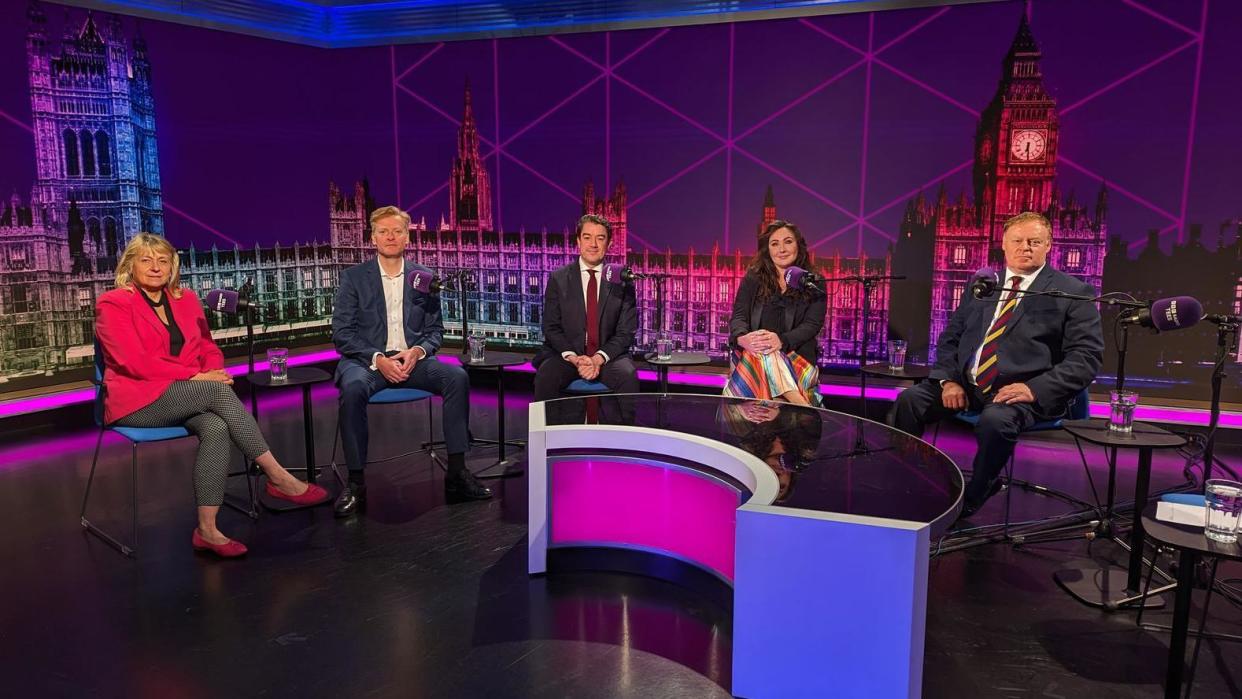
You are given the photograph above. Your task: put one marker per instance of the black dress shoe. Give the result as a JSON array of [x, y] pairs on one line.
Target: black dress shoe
[[353, 497], [969, 508], [462, 486]]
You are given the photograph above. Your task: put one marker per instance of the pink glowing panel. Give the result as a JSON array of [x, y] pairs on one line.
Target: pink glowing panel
[[643, 506]]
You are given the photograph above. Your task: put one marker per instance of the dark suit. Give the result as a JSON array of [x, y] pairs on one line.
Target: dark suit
[[564, 330], [360, 329], [1053, 345], [804, 318]]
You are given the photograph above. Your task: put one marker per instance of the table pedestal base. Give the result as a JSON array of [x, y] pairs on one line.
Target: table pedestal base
[[1103, 585]]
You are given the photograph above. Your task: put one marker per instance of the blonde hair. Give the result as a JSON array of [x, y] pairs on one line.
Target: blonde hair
[[385, 212], [1028, 217], [148, 242]]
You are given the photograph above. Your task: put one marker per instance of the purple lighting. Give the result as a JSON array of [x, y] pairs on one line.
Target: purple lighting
[[644, 506]]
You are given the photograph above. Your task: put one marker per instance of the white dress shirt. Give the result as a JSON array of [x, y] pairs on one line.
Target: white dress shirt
[[394, 309], [1027, 280], [599, 293]]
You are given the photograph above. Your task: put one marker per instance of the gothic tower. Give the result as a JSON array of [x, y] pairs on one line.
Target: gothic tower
[[94, 126], [470, 191], [349, 223], [612, 210], [769, 210]]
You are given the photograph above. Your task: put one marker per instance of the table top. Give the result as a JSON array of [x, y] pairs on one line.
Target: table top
[[298, 376], [824, 461], [493, 360], [679, 359], [908, 371], [1095, 430], [1185, 536]]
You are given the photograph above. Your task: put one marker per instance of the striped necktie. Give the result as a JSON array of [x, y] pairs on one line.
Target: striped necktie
[[989, 367]]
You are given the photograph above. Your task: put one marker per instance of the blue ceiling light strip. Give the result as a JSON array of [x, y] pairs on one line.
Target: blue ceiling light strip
[[342, 23]]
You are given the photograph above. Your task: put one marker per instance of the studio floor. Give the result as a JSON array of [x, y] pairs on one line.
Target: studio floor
[[419, 599]]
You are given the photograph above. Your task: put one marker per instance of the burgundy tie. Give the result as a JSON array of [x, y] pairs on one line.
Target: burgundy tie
[[592, 319], [989, 367]]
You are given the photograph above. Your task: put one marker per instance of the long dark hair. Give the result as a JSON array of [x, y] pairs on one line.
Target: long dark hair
[[764, 268]]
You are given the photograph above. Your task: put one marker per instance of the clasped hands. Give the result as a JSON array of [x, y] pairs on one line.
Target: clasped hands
[[588, 367], [953, 396], [219, 375], [397, 368], [760, 342]]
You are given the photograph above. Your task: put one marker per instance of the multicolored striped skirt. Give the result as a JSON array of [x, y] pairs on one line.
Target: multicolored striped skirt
[[769, 376]]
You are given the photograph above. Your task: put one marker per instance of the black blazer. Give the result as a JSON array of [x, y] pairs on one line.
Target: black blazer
[[564, 316], [360, 320], [803, 319], [1053, 345]]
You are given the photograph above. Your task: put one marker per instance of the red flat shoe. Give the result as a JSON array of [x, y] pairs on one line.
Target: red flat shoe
[[232, 549], [313, 495]]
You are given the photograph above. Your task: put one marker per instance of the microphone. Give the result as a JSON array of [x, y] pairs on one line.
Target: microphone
[[985, 282], [798, 278], [228, 301], [1223, 318], [1168, 314], [425, 281], [620, 274]]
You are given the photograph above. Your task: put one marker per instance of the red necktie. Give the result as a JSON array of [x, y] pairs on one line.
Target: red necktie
[[592, 319], [989, 367]]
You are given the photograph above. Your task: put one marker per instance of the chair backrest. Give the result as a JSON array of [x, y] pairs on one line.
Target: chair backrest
[[99, 386]]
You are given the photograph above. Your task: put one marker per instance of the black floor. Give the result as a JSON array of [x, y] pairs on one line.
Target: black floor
[[416, 599]]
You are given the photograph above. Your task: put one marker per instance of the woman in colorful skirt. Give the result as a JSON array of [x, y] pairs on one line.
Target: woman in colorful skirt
[[774, 329]]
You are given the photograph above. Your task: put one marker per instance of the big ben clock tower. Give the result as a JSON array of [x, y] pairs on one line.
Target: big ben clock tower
[[1016, 143]]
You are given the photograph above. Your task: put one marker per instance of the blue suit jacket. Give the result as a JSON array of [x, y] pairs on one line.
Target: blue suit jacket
[[1053, 345], [360, 320]]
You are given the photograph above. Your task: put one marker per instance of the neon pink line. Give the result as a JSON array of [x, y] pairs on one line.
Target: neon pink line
[[553, 110], [638, 200], [835, 234], [800, 100], [645, 244], [441, 112], [862, 176], [425, 199], [919, 83], [1166, 20], [881, 231], [608, 114], [1114, 186], [668, 108], [902, 37], [417, 63], [816, 28], [728, 188], [795, 182], [906, 197], [577, 53], [16, 122], [1133, 74], [496, 104], [642, 47], [1136, 244], [396, 141], [198, 223], [1194, 115], [540, 175]]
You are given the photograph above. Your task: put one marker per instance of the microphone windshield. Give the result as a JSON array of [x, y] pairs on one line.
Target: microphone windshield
[[422, 279], [222, 300], [796, 277], [1175, 313], [616, 274], [985, 282]]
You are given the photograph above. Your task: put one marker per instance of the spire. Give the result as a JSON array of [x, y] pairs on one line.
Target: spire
[[90, 33], [1024, 40], [768, 199], [1101, 204], [469, 111]]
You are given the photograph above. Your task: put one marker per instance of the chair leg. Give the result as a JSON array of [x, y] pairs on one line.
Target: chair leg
[[90, 526], [90, 480], [133, 490], [936, 432], [336, 439], [1008, 490]]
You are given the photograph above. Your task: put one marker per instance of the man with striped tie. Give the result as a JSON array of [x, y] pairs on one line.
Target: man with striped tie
[[1016, 358]]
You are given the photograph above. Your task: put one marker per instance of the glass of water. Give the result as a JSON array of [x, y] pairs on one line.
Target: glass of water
[[1121, 412], [278, 363], [664, 347], [1222, 511], [896, 355], [476, 344]]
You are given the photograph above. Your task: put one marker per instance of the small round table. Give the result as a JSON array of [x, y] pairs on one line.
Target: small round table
[[677, 359], [1190, 544], [1112, 588], [498, 361], [304, 377], [913, 372]]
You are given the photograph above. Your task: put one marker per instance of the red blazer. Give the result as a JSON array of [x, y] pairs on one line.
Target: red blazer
[[138, 365]]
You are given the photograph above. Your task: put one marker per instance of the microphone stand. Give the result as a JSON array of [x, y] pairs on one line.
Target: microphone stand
[[459, 277], [1226, 345], [244, 292], [868, 281]]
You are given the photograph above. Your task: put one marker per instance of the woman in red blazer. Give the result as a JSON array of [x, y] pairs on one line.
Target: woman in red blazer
[[162, 369]]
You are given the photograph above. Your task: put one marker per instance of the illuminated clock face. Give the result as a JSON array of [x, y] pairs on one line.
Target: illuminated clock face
[[1028, 144]]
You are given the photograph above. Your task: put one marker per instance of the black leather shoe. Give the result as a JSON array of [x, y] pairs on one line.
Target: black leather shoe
[[353, 497], [463, 486], [969, 508]]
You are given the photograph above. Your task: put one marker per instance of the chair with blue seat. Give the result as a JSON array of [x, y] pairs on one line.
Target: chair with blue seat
[[582, 387], [1079, 409], [135, 436], [389, 396]]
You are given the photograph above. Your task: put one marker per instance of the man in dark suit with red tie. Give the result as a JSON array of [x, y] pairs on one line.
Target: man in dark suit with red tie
[[1016, 358], [588, 323]]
